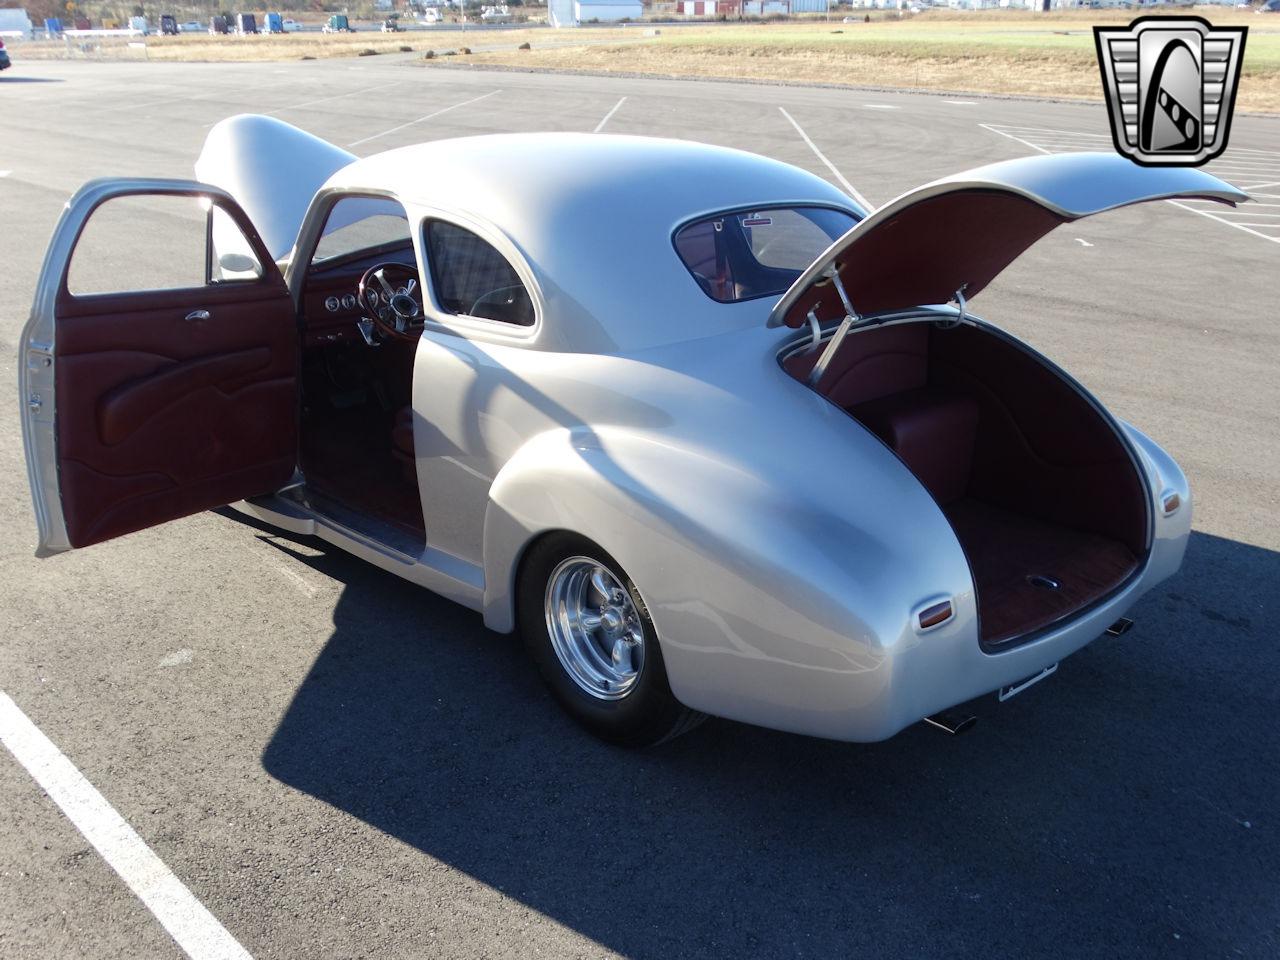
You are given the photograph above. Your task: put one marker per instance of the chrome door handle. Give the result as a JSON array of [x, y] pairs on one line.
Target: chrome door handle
[[198, 315]]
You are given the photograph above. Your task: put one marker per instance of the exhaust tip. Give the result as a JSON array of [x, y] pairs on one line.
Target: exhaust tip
[[952, 723], [1120, 626]]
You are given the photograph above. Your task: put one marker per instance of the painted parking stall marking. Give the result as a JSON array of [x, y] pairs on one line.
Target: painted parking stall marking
[[429, 116], [195, 929], [1254, 171], [608, 116], [849, 187]]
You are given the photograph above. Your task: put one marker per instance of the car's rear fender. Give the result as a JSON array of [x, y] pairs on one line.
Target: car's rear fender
[[782, 610]]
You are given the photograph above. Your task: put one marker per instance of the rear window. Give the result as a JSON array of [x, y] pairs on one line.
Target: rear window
[[757, 253]]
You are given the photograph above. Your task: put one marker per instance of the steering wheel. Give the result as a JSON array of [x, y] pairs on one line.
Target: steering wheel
[[387, 295]]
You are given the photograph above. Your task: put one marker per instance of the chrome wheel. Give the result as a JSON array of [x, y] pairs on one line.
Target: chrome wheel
[[595, 628]]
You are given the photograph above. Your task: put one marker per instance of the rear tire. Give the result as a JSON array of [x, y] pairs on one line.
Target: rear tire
[[588, 630]]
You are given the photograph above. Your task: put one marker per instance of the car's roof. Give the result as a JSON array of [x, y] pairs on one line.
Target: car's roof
[[593, 216]]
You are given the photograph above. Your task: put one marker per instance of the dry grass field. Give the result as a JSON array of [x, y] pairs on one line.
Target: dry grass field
[[1000, 52], [290, 46]]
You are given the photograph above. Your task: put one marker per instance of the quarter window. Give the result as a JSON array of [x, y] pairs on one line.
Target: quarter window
[[472, 279]]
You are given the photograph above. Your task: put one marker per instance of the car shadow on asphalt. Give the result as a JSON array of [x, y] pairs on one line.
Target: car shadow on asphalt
[[1122, 803]]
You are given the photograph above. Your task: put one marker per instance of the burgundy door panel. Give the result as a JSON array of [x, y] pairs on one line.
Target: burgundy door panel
[[160, 416]]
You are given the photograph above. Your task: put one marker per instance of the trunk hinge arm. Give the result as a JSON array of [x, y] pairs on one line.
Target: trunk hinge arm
[[952, 322], [851, 317]]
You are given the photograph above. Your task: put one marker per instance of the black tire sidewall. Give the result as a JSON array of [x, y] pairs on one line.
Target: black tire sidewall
[[649, 712]]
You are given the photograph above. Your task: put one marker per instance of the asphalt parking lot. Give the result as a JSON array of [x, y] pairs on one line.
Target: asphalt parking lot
[[338, 764]]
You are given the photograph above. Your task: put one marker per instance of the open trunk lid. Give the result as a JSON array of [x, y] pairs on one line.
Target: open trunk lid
[[956, 234]]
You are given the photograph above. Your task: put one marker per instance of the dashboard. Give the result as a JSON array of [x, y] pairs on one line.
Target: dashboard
[[330, 308]]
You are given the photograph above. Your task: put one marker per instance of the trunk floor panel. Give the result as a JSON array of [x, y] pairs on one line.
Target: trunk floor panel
[[1007, 549]]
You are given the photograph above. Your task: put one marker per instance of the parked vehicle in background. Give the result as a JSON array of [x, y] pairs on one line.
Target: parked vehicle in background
[[338, 23], [1271, 6], [219, 25], [432, 15], [140, 25], [168, 25], [272, 23], [291, 26], [15, 22], [391, 25], [192, 26], [246, 23], [5, 62], [53, 27]]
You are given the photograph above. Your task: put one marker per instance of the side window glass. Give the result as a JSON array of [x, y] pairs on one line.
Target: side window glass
[[232, 258], [362, 226], [472, 279], [159, 242]]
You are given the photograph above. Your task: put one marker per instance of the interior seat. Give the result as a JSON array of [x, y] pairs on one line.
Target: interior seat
[[933, 432]]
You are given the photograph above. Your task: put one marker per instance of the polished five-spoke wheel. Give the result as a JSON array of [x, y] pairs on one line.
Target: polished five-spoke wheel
[[588, 629], [595, 628]]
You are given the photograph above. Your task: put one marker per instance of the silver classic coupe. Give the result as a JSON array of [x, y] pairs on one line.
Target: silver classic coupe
[[711, 437]]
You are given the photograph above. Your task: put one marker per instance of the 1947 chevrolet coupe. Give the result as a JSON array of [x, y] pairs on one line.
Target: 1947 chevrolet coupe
[[715, 439]]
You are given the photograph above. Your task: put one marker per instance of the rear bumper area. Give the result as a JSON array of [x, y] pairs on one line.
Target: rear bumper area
[[883, 674], [928, 678]]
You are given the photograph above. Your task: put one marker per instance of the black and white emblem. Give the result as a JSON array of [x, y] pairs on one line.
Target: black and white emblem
[[1170, 84]]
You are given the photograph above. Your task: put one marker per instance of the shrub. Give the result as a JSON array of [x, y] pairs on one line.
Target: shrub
[[429, 55], [367, 52], [524, 46], [464, 50]]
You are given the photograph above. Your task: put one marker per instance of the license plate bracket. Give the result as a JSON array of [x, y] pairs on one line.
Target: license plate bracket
[[1013, 689]]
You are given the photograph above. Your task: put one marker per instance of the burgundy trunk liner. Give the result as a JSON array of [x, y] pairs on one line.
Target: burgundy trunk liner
[[1006, 550]]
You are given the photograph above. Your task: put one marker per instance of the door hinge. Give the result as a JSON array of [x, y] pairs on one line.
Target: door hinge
[[34, 402]]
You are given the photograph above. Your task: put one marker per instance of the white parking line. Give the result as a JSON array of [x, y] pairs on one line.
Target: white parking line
[[849, 187], [195, 929], [5, 173], [880, 106], [310, 103], [337, 96], [962, 103], [609, 115], [1230, 223], [1025, 143], [464, 103]]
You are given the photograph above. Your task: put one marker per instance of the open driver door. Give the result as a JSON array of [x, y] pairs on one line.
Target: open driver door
[[157, 378]]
